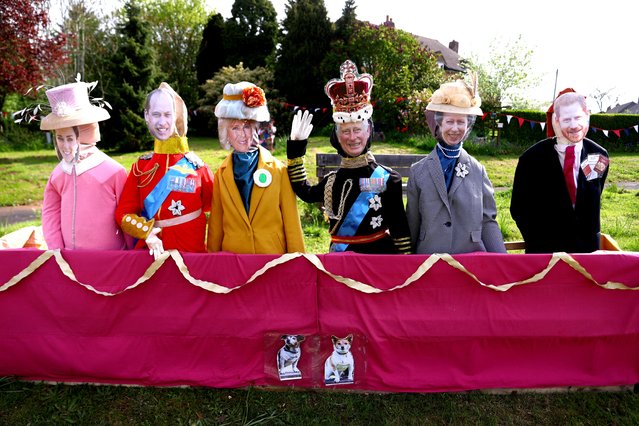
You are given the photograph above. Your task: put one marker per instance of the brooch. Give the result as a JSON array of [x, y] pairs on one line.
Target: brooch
[[376, 222], [176, 207], [375, 203], [461, 170]]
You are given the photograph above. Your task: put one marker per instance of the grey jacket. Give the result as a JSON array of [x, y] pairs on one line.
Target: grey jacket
[[459, 221]]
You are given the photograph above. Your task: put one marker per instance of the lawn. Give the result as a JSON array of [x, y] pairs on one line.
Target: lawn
[[23, 176], [42, 404]]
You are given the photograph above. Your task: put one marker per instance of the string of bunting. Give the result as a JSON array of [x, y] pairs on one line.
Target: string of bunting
[[509, 117], [534, 123], [368, 288]]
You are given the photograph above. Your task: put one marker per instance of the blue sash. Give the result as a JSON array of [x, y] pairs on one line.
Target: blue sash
[[357, 211], [156, 197]]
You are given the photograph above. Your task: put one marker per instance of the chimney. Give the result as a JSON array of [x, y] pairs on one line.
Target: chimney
[[389, 22], [454, 46]]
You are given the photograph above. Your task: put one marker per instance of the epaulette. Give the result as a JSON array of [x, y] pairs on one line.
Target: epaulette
[[192, 158], [146, 156]]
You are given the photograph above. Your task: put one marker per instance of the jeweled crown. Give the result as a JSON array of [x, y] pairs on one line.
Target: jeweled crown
[[350, 94]]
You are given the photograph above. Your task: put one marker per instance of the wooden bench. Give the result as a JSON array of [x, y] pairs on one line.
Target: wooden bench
[[401, 163]]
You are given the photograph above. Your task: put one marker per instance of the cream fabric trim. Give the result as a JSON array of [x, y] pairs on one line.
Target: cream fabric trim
[[315, 261]]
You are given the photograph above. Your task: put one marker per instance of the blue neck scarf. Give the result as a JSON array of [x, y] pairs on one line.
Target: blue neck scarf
[[448, 156], [244, 165]]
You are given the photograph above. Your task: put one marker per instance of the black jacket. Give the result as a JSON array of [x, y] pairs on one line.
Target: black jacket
[[541, 206]]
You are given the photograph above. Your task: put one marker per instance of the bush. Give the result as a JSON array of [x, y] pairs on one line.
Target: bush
[[414, 112], [16, 137]]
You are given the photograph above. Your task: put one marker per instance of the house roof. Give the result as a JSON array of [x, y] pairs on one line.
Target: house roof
[[450, 58], [627, 108]]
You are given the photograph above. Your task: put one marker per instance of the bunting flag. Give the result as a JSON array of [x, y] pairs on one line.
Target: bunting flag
[[542, 124], [485, 114]]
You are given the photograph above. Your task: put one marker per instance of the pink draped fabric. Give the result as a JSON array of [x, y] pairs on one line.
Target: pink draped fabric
[[444, 332]]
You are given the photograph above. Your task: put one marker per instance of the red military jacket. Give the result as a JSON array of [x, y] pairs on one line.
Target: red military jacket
[[193, 194]]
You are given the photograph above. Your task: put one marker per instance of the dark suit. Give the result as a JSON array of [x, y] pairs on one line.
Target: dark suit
[[541, 206]]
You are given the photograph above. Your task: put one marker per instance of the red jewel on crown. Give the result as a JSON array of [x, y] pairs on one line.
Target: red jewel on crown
[[351, 92]]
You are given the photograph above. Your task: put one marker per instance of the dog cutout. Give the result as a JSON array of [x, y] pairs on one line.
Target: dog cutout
[[340, 365], [288, 356]]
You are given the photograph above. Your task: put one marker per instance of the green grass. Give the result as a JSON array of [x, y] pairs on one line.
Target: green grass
[[23, 176], [41, 404]]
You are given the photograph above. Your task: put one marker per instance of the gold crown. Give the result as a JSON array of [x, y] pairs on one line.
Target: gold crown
[[350, 94]]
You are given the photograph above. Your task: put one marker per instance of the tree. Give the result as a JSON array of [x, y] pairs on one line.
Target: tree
[[250, 34], [345, 25], [600, 96], [305, 40], [399, 66], [211, 55], [91, 41], [30, 51], [176, 27], [133, 71], [260, 76], [506, 75], [340, 48]]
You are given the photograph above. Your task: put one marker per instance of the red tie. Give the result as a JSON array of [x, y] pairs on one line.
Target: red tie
[[569, 176]]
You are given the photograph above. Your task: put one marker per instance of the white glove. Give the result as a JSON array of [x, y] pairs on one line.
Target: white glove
[[154, 243], [301, 127]]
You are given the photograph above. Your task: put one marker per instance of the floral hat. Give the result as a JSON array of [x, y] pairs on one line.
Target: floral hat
[[243, 101], [456, 97], [70, 106]]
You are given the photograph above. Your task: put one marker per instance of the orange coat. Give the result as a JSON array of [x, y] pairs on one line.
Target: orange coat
[[273, 223]]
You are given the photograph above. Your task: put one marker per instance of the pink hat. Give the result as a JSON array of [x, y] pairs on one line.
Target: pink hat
[[70, 106]]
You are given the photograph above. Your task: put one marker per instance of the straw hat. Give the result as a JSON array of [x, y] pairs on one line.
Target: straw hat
[[70, 106], [243, 101], [456, 97]]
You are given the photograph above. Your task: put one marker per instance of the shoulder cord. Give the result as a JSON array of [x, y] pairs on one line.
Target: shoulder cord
[[149, 174], [328, 200]]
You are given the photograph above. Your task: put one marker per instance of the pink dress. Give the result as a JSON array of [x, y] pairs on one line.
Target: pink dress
[[79, 204]]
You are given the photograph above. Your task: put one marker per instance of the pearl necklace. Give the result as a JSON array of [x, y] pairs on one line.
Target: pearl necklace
[[457, 150]]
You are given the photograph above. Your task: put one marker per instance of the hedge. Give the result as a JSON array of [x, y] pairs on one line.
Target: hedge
[[525, 128]]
